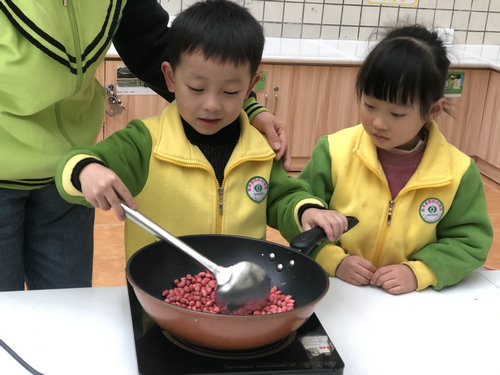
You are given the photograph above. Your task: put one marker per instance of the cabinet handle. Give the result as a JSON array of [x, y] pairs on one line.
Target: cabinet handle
[[275, 89]]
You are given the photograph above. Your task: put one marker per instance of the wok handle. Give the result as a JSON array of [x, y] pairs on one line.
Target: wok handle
[[306, 241]]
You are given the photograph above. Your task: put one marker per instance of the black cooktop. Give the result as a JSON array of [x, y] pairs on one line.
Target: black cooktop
[[307, 351]]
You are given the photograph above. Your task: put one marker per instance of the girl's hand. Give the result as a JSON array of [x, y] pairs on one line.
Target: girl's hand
[[355, 270], [103, 189], [332, 222], [395, 279], [275, 132]]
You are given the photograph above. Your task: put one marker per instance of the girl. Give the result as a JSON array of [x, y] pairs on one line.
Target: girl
[[420, 202]]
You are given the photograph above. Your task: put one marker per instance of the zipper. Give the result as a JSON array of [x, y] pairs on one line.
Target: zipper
[[220, 190], [389, 214], [76, 42], [79, 74], [221, 193], [385, 229]]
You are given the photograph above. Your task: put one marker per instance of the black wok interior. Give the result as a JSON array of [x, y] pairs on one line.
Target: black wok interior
[[156, 266]]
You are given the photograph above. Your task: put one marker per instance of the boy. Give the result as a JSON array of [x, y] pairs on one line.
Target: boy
[[199, 167]]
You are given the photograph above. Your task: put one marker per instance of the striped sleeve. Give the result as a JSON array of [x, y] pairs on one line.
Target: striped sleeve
[[126, 152]]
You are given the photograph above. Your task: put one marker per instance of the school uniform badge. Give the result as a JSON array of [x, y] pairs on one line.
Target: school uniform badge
[[257, 188], [431, 210]]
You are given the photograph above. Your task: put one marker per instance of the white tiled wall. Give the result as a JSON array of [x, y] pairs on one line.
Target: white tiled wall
[[473, 21]]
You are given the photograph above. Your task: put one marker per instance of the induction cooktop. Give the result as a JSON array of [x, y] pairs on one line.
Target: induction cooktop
[[306, 351]]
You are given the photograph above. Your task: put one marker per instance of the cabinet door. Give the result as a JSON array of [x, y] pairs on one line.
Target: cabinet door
[[462, 129], [277, 89], [312, 101], [489, 133], [136, 106]]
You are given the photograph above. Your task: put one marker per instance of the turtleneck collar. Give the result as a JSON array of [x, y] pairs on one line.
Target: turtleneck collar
[[228, 134]]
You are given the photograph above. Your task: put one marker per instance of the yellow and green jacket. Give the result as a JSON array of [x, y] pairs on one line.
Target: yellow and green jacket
[[438, 224], [50, 100], [175, 185]]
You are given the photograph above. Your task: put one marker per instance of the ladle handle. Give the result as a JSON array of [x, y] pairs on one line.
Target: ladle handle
[[162, 234]]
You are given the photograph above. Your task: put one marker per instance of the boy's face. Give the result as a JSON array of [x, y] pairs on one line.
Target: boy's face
[[209, 94]]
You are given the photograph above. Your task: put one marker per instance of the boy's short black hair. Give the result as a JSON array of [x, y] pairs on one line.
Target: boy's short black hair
[[221, 29], [410, 64]]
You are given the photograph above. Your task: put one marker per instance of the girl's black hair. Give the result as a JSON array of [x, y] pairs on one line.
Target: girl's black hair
[[410, 64], [221, 29]]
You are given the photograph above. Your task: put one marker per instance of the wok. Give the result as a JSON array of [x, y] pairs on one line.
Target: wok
[[153, 269]]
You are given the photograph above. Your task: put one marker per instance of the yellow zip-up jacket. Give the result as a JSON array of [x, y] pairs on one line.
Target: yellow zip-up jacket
[[438, 224], [175, 185]]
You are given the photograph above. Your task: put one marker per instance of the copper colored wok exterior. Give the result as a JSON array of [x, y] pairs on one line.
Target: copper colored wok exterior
[[223, 332]]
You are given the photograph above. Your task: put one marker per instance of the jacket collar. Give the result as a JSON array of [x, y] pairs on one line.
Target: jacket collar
[[434, 168], [56, 29], [173, 144]]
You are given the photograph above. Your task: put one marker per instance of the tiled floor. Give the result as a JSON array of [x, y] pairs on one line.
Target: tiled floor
[[109, 254]]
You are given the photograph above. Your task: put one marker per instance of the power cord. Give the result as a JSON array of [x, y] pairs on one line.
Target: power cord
[[18, 359]]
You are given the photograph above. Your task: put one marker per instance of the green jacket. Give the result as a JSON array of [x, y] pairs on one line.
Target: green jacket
[[50, 100], [175, 185], [438, 224]]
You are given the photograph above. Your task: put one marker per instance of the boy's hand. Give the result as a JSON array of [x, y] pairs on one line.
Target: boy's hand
[[332, 222], [395, 279], [275, 132], [103, 189], [355, 270]]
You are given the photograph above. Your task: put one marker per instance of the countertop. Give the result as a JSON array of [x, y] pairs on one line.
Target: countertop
[[352, 52], [89, 330], [453, 331], [68, 331]]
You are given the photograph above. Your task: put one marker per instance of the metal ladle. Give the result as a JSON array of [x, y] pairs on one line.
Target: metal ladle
[[244, 285]]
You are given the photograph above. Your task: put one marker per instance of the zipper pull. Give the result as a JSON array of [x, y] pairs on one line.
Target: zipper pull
[[221, 192], [65, 3], [389, 215]]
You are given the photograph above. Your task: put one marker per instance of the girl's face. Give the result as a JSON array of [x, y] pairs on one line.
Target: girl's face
[[394, 126], [209, 94]]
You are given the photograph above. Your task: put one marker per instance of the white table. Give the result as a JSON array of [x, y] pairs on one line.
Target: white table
[[89, 330], [68, 331], [454, 331]]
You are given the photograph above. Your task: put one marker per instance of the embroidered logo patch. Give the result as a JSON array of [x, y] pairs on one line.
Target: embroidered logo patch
[[431, 210], [257, 188]]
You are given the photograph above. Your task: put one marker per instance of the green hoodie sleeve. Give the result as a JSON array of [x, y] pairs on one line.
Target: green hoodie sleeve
[[464, 235], [286, 195], [318, 171], [126, 152]]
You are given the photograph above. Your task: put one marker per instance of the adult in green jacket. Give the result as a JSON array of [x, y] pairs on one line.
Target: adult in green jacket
[[50, 102]]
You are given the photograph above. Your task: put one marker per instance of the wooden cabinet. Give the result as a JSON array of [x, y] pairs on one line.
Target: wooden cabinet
[[315, 100], [136, 106], [462, 130], [488, 150], [312, 101]]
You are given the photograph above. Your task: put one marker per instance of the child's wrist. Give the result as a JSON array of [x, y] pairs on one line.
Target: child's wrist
[[75, 175]]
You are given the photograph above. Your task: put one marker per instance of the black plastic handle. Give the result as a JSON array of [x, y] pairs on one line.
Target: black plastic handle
[[305, 241]]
